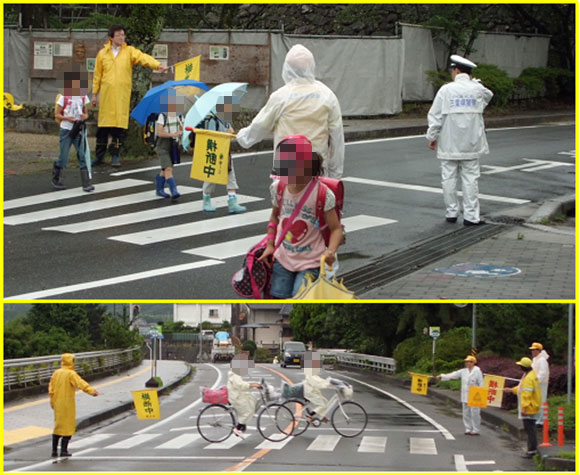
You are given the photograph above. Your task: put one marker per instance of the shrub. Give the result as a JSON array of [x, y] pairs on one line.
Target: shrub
[[438, 78], [262, 355], [250, 346], [497, 81], [411, 350], [557, 82]]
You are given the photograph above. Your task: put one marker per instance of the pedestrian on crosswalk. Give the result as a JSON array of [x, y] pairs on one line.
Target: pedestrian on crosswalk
[[457, 130], [303, 245], [470, 376], [302, 106], [61, 390]]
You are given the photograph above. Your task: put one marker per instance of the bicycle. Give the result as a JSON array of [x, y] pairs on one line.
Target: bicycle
[[216, 421], [348, 418]]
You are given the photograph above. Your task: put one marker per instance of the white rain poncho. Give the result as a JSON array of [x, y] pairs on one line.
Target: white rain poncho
[[313, 384], [456, 119], [240, 397], [303, 106], [542, 368]]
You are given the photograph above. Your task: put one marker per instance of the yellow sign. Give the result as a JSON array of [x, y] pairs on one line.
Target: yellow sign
[[477, 397], [147, 404], [9, 102], [419, 384], [188, 69], [495, 386], [211, 156]]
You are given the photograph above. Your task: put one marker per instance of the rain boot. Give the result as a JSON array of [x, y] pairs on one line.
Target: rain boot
[[173, 188], [64, 447], [159, 185], [55, 439], [86, 181], [207, 206], [116, 162], [57, 177], [233, 205]]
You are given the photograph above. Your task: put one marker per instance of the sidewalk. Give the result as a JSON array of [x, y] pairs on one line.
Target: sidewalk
[[32, 417]]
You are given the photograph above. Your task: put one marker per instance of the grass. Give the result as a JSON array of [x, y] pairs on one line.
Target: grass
[[554, 402]]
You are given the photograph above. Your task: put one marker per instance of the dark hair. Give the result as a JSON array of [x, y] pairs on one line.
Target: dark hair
[[316, 164], [114, 28], [463, 69], [526, 370]]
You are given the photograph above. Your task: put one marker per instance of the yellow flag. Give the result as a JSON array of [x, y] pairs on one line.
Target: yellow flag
[[419, 384], [147, 404], [211, 156], [477, 397], [9, 102], [188, 69], [494, 385]]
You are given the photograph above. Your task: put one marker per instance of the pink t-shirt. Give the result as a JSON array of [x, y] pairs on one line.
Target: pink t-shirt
[[303, 245]]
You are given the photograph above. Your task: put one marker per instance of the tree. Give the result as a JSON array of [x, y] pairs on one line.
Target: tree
[[116, 335]]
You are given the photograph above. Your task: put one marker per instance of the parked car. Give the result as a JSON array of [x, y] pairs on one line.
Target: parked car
[[292, 353]]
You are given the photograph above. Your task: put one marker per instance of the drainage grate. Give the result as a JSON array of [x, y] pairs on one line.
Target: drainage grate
[[398, 263]]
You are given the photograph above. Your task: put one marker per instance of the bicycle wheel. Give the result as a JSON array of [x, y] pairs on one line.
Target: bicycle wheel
[[275, 422], [300, 422], [215, 423], [349, 419]]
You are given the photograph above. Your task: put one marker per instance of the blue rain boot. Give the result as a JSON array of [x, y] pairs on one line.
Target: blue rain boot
[[207, 206], [116, 161], [159, 185], [173, 188], [234, 207]]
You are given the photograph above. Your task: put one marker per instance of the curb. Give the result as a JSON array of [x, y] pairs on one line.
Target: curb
[[561, 205]]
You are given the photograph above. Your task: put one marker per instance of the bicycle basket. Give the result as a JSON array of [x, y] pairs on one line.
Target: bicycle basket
[[292, 392], [215, 396]]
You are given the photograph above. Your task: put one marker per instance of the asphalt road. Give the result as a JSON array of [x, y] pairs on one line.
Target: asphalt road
[[126, 244], [406, 432]]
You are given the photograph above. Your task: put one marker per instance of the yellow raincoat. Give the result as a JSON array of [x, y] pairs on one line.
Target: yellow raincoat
[[61, 390], [113, 80]]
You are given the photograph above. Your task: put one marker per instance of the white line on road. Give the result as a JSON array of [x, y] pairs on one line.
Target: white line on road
[[114, 280], [431, 421], [371, 444], [422, 446], [90, 206], [90, 440], [31, 468], [72, 193], [147, 215], [133, 441], [170, 233], [268, 444], [227, 444], [429, 189], [324, 443], [239, 247], [461, 464], [179, 442]]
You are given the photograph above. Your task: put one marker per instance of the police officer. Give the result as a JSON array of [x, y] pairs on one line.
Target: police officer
[[457, 130]]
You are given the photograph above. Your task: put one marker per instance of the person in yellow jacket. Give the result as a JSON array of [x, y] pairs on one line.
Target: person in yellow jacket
[[529, 399], [61, 390], [112, 82]]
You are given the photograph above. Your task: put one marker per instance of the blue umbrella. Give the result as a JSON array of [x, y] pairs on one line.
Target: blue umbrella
[[206, 104], [151, 102]]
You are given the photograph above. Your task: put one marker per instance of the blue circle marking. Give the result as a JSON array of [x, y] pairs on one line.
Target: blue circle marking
[[474, 269]]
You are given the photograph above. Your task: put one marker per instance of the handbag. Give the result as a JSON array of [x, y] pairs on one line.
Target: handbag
[[253, 279], [323, 288], [215, 396]]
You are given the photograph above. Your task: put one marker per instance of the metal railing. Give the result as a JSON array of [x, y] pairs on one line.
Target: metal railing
[[24, 372], [359, 360]]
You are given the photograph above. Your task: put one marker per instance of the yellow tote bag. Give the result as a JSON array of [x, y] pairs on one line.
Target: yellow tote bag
[[323, 288], [211, 156]]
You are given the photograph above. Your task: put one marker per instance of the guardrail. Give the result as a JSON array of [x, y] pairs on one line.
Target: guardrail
[[359, 360], [24, 372]]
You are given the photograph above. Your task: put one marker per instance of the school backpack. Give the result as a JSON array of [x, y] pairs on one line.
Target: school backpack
[[150, 129], [337, 188], [67, 101]]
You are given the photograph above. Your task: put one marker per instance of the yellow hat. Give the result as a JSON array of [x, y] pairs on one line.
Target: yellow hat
[[525, 362], [536, 346], [473, 359]]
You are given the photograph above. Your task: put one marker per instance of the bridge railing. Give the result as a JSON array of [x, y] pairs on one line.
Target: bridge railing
[[360, 360], [24, 372]]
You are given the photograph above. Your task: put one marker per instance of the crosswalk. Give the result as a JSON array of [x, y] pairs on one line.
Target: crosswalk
[[368, 444]]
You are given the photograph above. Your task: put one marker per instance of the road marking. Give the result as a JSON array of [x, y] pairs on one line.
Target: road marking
[[16, 436], [431, 421], [51, 461], [268, 444], [133, 441], [170, 233], [230, 442], [90, 206], [371, 444], [421, 446], [115, 280], [90, 440], [429, 189], [179, 442], [324, 443], [461, 464], [534, 165], [240, 247], [147, 215], [72, 193]]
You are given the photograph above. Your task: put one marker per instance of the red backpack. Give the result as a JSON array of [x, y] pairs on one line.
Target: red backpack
[[337, 188]]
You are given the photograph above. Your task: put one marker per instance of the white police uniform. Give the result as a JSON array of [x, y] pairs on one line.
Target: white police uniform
[[456, 123]]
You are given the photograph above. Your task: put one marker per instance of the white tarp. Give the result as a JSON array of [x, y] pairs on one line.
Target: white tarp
[[364, 73], [415, 84]]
